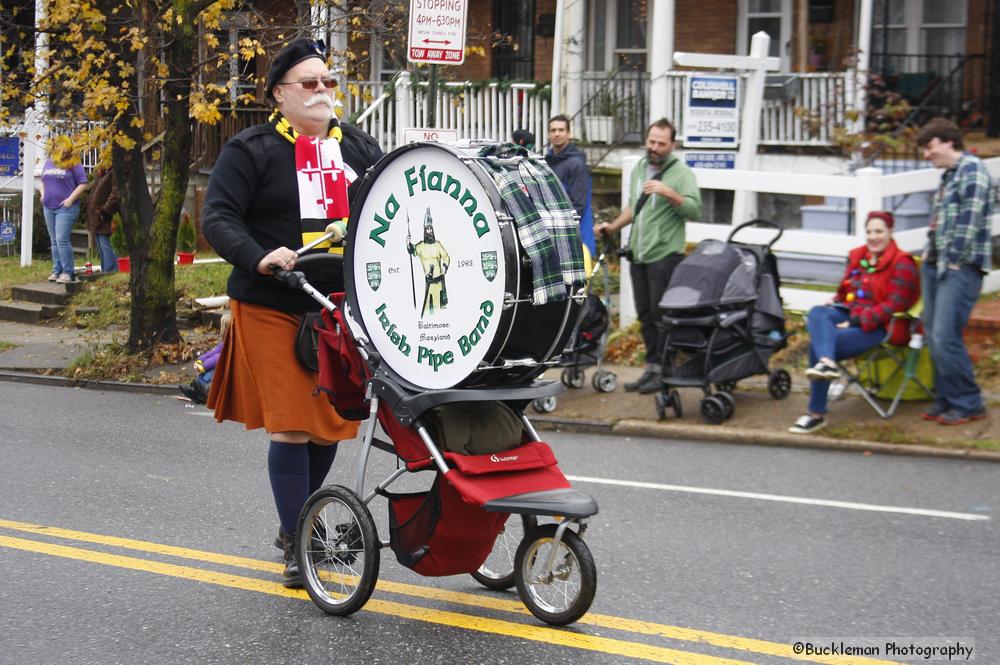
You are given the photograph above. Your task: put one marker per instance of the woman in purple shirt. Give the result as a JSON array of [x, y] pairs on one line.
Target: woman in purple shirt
[[61, 189]]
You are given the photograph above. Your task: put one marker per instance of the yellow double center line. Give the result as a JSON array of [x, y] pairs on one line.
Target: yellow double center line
[[543, 634]]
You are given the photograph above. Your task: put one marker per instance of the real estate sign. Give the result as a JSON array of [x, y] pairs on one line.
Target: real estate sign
[[437, 31], [712, 113], [10, 155]]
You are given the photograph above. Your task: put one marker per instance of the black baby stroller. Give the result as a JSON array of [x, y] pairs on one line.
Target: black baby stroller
[[721, 320], [587, 344]]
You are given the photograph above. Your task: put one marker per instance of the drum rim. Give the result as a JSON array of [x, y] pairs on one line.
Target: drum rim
[[509, 241]]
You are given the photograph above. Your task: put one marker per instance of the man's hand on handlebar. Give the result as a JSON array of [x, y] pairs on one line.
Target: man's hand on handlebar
[[278, 259]]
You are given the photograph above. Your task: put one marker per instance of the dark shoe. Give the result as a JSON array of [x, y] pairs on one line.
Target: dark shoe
[[806, 424], [934, 412], [653, 384], [279, 542], [291, 577], [195, 392], [823, 372], [633, 386], [956, 417]]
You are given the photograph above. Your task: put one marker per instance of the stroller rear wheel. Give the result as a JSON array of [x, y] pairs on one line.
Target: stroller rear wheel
[[779, 384], [497, 572], [338, 550], [573, 377], [604, 381], [562, 594]]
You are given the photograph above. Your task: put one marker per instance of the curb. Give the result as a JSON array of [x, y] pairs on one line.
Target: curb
[[62, 381], [722, 434], [625, 427]]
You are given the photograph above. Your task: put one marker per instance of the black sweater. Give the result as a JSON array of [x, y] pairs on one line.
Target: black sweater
[[252, 207]]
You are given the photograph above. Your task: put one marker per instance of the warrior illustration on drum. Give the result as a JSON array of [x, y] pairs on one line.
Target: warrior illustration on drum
[[434, 260]]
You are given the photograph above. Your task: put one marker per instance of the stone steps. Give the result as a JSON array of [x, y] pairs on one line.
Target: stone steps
[[27, 312], [45, 293]]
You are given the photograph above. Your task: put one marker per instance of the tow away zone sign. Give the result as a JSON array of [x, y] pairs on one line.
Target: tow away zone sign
[[437, 31]]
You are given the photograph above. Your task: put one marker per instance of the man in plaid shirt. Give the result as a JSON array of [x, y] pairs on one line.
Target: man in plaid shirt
[[955, 259]]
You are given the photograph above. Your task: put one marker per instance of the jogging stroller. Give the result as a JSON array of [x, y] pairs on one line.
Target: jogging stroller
[[441, 349], [721, 319], [587, 344]]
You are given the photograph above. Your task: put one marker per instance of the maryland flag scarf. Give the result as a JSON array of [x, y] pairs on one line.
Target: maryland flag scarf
[[323, 178]]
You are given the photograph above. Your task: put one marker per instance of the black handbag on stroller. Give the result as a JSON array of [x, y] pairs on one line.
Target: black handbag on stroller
[[721, 319]]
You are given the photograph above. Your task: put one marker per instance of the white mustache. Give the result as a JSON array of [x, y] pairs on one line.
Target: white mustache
[[319, 99]]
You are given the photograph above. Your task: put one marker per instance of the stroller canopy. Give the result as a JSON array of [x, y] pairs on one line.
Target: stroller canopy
[[715, 273]]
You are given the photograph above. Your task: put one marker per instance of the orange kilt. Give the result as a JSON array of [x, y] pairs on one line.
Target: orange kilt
[[259, 382]]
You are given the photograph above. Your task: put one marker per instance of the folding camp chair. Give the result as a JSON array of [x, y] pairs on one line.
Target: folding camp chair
[[891, 368]]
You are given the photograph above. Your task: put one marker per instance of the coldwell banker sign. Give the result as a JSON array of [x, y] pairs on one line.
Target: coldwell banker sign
[[429, 268], [437, 31], [711, 115]]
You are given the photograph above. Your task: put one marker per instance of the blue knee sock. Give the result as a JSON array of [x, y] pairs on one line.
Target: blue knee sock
[[288, 468], [320, 460]]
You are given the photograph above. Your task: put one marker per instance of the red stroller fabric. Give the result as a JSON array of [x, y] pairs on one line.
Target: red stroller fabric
[[342, 372]]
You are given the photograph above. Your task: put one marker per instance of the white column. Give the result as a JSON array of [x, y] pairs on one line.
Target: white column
[[626, 303], [745, 202], [576, 55], [35, 132], [557, 58], [661, 50], [864, 61], [869, 198], [403, 104]]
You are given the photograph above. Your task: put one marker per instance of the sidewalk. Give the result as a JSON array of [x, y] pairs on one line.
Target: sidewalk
[[758, 418]]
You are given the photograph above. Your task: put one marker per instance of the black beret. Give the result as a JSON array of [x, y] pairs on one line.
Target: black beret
[[291, 55]]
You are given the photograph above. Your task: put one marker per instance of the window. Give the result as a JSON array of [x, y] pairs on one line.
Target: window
[[771, 16], [616, 35], [911, 36], [514, 24]]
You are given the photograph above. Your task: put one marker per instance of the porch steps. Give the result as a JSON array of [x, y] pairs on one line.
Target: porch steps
[[33, 303]]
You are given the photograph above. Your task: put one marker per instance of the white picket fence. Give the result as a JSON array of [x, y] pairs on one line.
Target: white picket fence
[[492, 111], [869, 188]]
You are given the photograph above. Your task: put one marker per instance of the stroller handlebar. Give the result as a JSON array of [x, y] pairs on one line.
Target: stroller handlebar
[[765, 223]]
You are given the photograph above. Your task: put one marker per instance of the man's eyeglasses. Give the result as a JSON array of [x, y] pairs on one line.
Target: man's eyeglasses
[[312, 82]]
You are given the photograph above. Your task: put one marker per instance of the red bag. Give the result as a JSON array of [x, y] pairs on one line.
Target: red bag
[[342, 372]]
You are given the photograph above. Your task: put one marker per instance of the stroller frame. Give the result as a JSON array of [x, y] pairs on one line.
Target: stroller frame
[[549, 556], [718, 406]]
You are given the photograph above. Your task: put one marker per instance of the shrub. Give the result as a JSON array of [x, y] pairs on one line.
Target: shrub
[[187, 237]]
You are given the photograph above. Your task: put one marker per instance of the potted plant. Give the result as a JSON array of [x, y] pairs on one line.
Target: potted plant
[[599, 121], [187, 240], [118, 243]]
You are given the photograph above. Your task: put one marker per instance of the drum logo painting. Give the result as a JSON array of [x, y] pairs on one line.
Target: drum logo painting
[[427, 250], [489, 263], [374, 275]]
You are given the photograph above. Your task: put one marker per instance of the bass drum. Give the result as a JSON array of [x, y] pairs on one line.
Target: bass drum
[[436, 276]]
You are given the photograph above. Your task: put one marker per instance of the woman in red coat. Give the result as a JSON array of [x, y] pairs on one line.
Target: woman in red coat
[[880, 280]]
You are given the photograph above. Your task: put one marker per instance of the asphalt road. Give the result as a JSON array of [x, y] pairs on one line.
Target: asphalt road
[[133, 529]]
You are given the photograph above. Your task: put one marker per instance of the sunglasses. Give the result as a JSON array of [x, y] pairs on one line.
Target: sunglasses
[[312, 82]]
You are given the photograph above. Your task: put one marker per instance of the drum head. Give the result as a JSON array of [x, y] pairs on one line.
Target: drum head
[[426, 265]]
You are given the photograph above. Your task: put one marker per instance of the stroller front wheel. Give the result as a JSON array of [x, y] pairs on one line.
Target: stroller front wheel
[[497, 572], [562, 594], [779, 384], [338, 550], [544, 404]]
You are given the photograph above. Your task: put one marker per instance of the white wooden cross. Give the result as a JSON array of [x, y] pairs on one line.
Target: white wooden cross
[[757, 64]]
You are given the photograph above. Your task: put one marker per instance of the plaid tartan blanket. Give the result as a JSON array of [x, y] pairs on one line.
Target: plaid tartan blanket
[[546, 223]]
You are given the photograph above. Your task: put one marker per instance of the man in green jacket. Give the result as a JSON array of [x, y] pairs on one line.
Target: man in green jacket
[[664, 191]]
